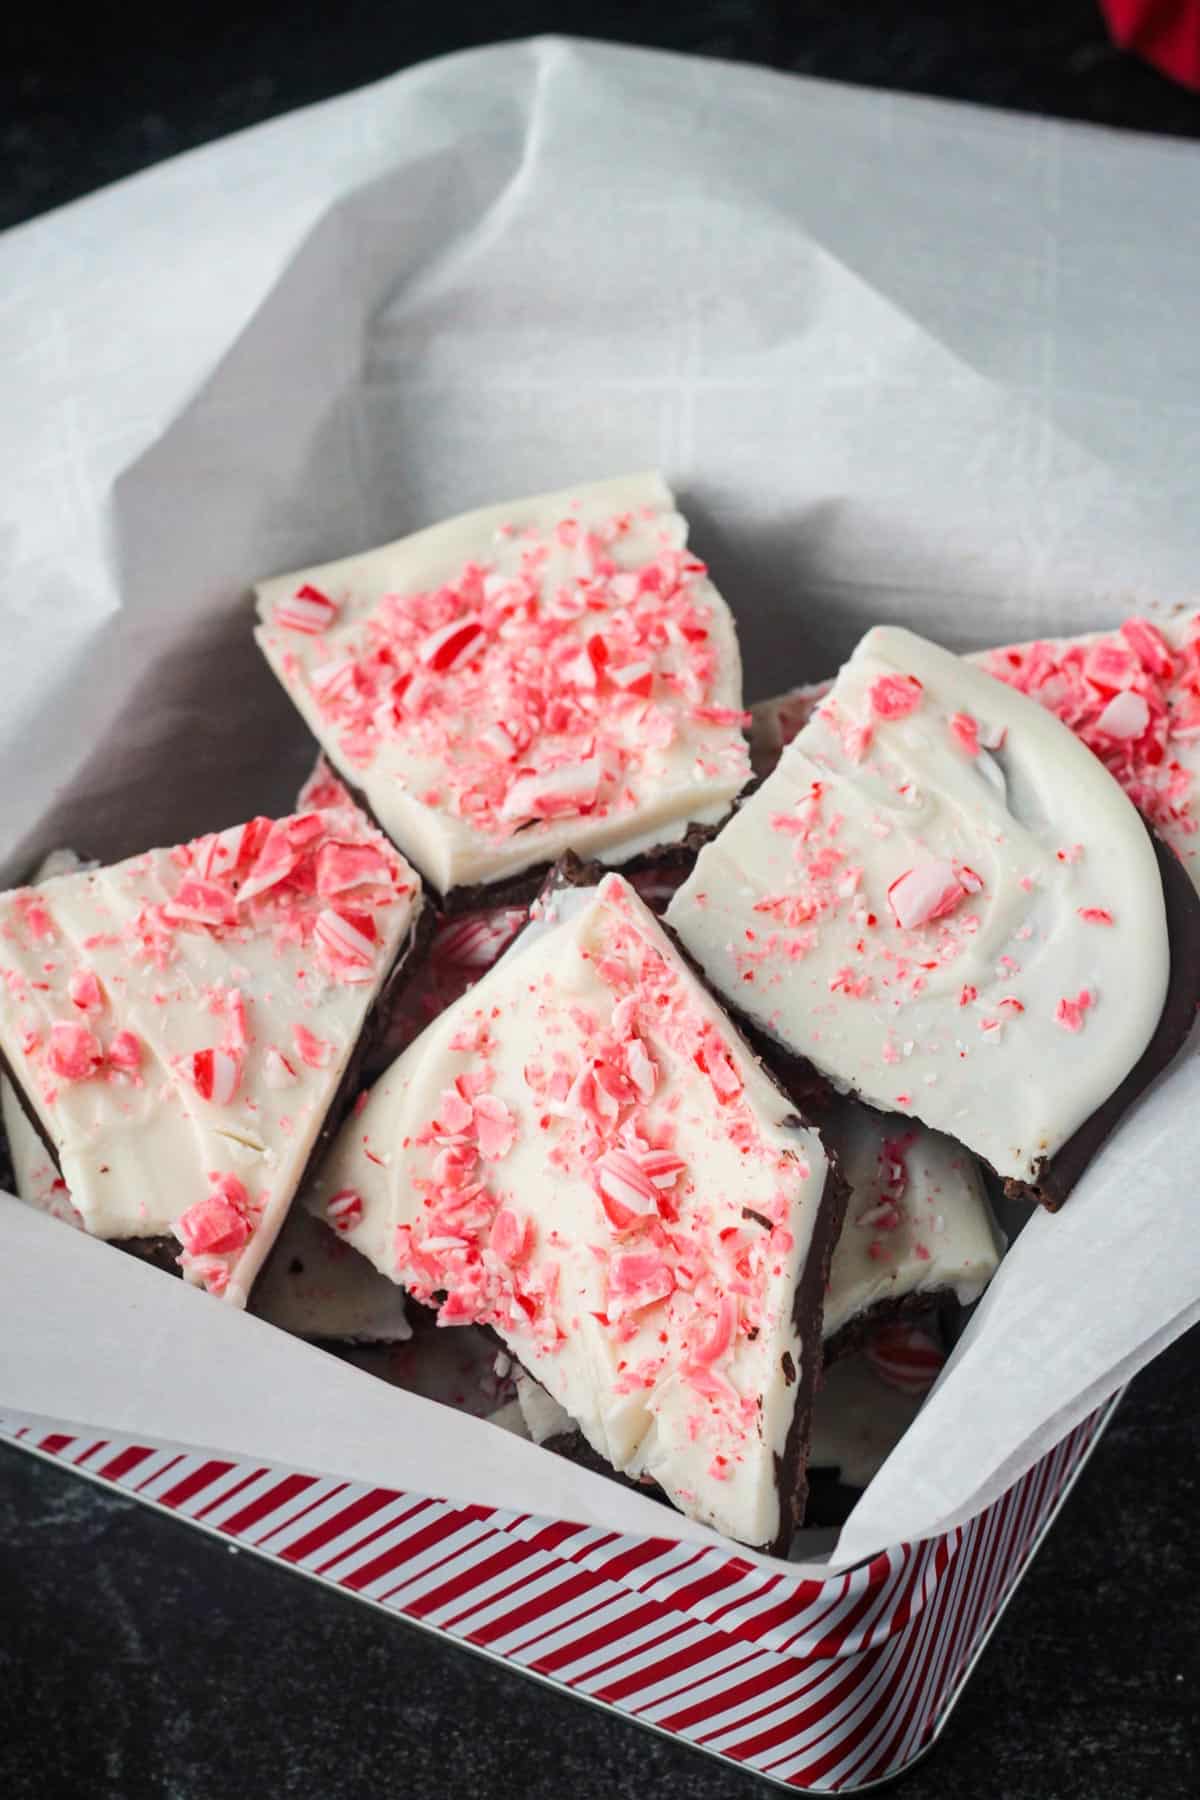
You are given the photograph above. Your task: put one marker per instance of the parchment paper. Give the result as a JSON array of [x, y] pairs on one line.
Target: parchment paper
[[902, 361]]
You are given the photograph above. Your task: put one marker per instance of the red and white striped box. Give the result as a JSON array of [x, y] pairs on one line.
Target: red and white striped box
[[819, 1686]]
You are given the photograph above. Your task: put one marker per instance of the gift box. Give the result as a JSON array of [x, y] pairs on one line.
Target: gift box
[[823, 1687], [881, 349]]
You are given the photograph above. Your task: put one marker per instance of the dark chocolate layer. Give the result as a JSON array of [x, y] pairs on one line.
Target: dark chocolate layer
[[900, 1309]]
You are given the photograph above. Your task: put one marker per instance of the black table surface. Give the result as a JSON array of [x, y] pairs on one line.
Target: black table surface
[[141, 1658]]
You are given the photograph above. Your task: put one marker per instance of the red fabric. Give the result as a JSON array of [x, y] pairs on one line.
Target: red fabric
[[1164, 32]]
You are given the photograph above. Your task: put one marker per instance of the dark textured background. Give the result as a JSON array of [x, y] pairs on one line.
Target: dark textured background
[[139, 1658]]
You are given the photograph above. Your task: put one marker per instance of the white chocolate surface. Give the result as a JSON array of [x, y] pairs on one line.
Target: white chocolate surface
[[594, 706], [665, 1325], [997, 1012], [181, 1029]]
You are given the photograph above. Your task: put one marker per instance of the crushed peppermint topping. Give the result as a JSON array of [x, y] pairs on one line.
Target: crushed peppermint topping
[[216, 1075], [1133, 696], [965, 731], [307, 610], [344, 1210], [74, 1053], [219, 1224], [1071, 1014], [895, 696], [685, 1273], [534, 697]]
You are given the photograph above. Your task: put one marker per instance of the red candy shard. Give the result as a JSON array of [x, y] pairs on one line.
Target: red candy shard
[[720, 1334], [663, 1167], [344, 1210], [278, 856], [495, 1126], [1150, 647], [308, 610], [86, 992], [453, 645], [348, 939], [344, 866], [1126, 716], [628, 1194], [965, 730], [197, 902], [218, 1225], [634, 678], [714, 1058], [511, 1236], [895, 696], [125, 1052], [74, 1053], [639, 1278], [216, 1075], [316, 1052], [1071, 1014], [554, 793]]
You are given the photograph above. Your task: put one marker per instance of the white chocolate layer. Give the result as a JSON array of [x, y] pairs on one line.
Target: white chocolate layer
[[918, 1221], [973, 937], [590, 701], [551, 1157], [180, 1023], [541, 1413], [37, 1180]]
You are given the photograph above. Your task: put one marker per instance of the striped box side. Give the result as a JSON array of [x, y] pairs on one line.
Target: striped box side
[[820, 1686]]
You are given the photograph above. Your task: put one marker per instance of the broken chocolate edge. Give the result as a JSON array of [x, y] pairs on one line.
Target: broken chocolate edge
[[523, 888]]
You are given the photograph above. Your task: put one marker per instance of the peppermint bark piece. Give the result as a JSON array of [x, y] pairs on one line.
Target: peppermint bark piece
[[581, 1154], [918, 1226], [944, 901], [554, 673], [179, 1026]]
